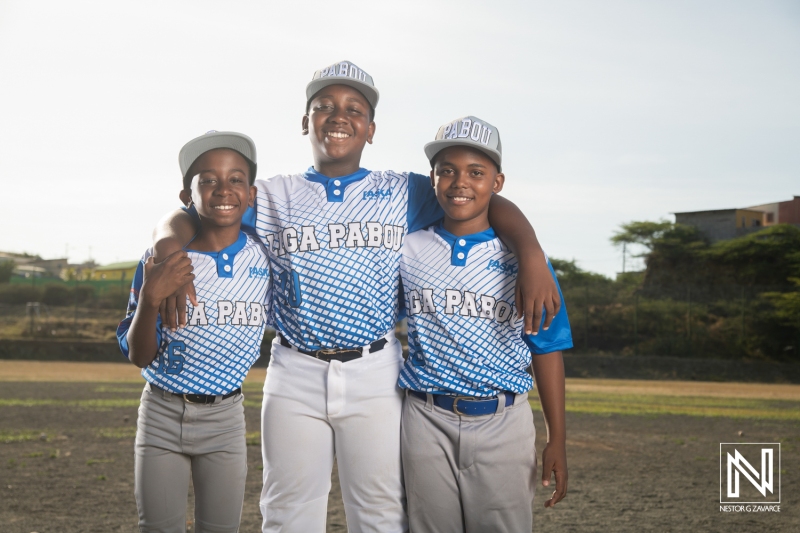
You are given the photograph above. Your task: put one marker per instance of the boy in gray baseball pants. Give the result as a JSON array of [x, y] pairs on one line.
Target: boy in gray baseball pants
[[467, 435], [191, 417]]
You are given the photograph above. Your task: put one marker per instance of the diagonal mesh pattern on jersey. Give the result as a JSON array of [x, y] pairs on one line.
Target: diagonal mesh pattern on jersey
[[458, 354], [334, 297], [216, 358]]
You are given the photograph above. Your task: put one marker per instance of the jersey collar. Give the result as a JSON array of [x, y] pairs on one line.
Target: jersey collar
[[335, 187], [461, 246], [224, 258]]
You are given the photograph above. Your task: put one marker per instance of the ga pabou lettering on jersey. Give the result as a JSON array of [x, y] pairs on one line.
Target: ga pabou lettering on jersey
[[463, 303], [349, 235], [229, 313]]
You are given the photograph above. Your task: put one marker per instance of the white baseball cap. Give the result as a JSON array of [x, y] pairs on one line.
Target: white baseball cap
[[343, 73], [467, 131], [217, 139]]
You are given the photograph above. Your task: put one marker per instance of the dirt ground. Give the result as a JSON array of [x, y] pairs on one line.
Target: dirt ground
[[66, 462]]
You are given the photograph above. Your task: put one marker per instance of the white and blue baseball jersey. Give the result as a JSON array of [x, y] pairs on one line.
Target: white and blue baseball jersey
[[222, 338], [334, 247], [464, 333]]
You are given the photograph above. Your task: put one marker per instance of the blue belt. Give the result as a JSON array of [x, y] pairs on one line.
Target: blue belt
[[466, 405]]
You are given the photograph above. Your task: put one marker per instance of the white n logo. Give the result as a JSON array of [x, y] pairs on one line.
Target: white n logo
[[741, 465]]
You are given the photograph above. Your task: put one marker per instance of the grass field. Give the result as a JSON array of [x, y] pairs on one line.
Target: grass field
[[643, 455]]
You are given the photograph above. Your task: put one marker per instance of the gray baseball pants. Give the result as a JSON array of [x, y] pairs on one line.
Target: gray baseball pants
[[175, 439], [468, 474]]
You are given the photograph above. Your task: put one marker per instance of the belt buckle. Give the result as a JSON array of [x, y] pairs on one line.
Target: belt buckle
[[455, 404], [187, 400]]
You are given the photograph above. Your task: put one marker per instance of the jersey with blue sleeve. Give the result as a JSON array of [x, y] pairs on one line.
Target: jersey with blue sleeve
[[334, 247], [222, 338], [464, 333]]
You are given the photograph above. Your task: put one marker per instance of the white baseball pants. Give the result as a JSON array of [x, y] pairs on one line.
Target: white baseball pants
[[314, 411]]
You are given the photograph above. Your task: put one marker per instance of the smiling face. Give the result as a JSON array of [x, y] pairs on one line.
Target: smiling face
[[220, 190], [339, 125], [465, 179]]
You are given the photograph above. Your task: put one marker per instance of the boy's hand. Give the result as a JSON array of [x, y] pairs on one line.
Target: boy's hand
[[173, 307], [162, 279], [554, 459], [536, 289]]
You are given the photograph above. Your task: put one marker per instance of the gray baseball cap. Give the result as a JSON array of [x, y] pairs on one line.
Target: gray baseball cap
[[213, 140], [467, 131], [344, 73]]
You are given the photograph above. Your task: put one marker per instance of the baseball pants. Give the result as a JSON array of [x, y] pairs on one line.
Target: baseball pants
[[315, 411], [469, 474], [176, 439]]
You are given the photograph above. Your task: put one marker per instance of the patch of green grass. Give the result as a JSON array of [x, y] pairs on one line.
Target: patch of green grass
[[253, 438], [135, 389], [252, 387], [127, 432], [91, 462], [20, 436], [101, 477], [35, 454], [93, 404], [55, 454], [654, 405]]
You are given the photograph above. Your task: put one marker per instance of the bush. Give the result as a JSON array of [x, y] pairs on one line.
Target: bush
[[85, 293], [6, 270], [55, 294], [20, 293]]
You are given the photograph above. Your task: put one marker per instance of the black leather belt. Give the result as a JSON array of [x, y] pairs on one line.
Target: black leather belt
[[199, 398], [337, 354]]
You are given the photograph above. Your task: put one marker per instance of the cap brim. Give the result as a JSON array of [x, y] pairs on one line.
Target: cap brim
[[434, 147], [212, 141], [370, 93]]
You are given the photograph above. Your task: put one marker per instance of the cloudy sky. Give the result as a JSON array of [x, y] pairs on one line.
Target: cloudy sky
[[609, 111]]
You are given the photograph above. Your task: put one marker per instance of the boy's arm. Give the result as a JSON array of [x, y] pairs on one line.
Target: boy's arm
[[160, 280], [174, 231], [548, 372], [535, 286]]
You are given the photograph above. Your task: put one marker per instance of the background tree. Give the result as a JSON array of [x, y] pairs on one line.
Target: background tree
[[6, 269]]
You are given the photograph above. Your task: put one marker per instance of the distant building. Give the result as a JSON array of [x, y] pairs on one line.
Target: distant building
[[116, 271], [722, 224], [33, 265]]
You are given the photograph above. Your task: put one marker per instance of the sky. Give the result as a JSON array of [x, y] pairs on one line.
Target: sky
[[609, 112]]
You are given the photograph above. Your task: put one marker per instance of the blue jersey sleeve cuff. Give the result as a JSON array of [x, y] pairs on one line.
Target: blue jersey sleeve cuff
[[423, 207]]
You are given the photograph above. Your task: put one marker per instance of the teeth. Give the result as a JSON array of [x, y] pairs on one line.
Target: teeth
[[338, 134], [460, 198], [224, 207]]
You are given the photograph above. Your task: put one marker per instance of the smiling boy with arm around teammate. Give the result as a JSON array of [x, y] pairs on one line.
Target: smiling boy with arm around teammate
[[191, 418], [467, 434]]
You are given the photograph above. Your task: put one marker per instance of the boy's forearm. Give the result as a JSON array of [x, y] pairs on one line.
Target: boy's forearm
[[548, 371], [142, 346], [514, 229], [172, 233]]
